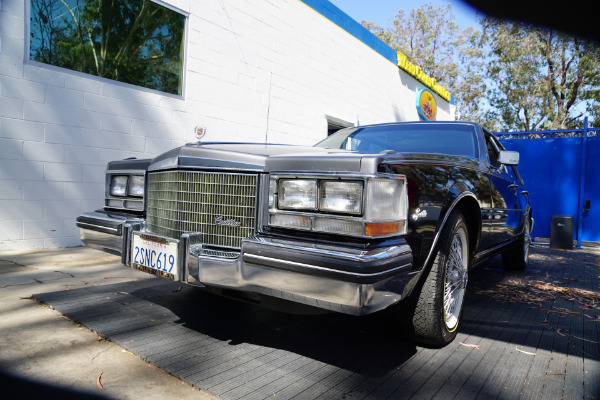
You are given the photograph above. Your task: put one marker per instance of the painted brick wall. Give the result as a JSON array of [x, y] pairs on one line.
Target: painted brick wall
[[256, 70]]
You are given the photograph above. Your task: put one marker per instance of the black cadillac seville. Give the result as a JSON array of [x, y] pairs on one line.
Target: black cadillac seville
[[369, 217]]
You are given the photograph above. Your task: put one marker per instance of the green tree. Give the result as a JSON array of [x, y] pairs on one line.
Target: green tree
[[540, 78], [133, 41], [429, 37]]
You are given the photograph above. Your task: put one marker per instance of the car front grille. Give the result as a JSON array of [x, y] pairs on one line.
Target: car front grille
[[221, 206]]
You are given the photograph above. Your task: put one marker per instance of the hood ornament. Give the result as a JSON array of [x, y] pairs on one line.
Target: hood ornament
[[199, 132]]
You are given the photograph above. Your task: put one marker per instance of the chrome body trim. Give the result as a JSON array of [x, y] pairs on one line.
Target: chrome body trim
[[317, 291], [128, 228], [106, 229], [103, 241], [257, 259], [443, 224], [330, 251], [485, 254], [223, 206], [333, 277]]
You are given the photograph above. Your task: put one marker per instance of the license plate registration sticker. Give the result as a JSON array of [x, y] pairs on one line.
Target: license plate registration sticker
[[155, 255]]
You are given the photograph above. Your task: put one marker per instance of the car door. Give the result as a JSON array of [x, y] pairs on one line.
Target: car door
[[506, 212], [522, 193]]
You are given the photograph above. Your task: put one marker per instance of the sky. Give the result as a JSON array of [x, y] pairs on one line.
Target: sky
[[382, 12]]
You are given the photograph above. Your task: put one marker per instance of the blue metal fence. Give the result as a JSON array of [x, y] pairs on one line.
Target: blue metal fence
[[559, 168]]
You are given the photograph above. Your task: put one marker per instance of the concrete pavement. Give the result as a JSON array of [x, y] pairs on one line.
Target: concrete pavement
[[42, 352]]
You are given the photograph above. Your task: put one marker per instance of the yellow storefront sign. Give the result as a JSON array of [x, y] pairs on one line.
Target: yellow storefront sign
[[428, 81]]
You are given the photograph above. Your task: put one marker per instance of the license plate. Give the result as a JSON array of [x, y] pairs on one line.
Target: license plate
[[155, 255]]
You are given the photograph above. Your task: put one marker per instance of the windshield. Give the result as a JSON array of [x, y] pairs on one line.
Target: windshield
[[457, 140]]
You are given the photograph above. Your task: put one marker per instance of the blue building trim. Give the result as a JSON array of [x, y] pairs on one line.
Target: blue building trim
[[344, 21]]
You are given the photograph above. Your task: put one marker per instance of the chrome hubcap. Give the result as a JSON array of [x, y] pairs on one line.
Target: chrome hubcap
[[456, 279]]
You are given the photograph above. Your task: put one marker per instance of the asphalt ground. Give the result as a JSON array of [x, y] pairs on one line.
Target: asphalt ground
[[77, 322]]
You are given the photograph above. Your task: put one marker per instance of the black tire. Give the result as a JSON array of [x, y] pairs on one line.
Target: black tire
[[436, 317], [516, 256]]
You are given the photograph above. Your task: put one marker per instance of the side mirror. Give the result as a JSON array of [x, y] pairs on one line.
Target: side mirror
[[509, 157]]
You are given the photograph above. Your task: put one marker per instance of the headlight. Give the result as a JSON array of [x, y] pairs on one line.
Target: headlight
[[136, 185], [367, 206], [125, 190], [387, 207], [387, 200], [118, 185], [298, 194], [341, 197]]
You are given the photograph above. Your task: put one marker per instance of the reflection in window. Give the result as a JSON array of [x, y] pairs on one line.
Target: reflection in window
[[452, 139], [132, 41]]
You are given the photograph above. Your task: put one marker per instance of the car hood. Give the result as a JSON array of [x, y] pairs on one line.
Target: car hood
[[264, 158], [260, 157]]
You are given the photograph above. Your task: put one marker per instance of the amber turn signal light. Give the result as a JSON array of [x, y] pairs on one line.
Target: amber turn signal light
[[381, 228]]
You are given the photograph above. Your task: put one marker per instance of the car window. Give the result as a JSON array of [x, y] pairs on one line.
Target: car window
[[492, 154], [493, 150], [458, 140]]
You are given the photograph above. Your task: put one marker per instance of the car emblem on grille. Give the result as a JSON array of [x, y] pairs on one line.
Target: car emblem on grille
[[221, 220]]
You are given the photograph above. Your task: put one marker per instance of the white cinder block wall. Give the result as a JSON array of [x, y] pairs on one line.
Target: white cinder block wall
[[256, 70]]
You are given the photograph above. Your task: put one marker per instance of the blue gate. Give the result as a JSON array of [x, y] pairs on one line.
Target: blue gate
[[559, 169]]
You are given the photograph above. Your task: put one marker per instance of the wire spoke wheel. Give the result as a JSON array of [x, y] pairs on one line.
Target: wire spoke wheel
[[456, 279], [439, 301]]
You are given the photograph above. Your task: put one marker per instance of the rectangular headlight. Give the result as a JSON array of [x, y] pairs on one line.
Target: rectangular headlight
[[386, 200], [125, 190], [136, 185], [297, 194], [371, 206], [118, 185], [341, 197]]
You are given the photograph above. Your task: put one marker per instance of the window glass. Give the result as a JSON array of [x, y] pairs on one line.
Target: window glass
[[133, 41], [452, 139], [492, 153]]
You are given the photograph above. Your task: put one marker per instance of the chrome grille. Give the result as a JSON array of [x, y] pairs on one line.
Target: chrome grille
[[221, 206]]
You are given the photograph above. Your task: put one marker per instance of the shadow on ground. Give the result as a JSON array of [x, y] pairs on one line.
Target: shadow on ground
[[506, 347]]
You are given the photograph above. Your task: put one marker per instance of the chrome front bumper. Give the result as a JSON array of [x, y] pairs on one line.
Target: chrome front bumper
[[338, 278]]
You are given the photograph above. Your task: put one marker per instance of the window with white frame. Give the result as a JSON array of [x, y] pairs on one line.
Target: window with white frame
[[139, 42]]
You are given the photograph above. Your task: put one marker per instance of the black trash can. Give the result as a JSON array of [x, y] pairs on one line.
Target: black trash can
[[561, 232]]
